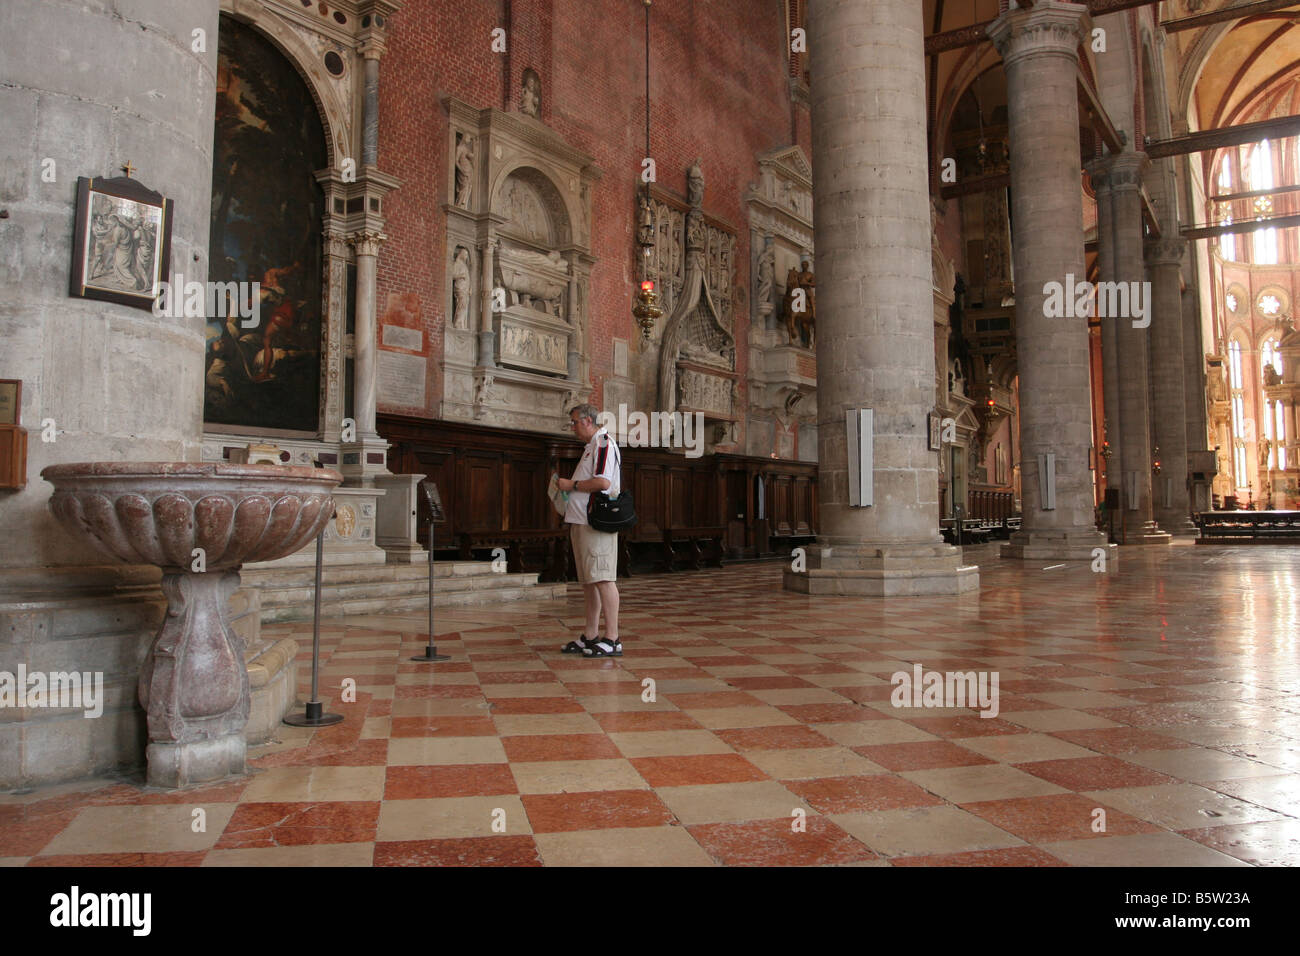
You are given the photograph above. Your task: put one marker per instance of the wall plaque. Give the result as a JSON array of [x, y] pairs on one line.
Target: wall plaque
[[401, 379], [400, 337]]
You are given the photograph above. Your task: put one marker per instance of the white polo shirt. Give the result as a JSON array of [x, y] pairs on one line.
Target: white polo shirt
[[600, 459]]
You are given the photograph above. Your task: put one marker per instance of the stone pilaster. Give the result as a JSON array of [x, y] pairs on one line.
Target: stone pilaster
[[1039, 50], [1113, 432], [486, 334], [365, 457], [1170, 488], [875, 341]]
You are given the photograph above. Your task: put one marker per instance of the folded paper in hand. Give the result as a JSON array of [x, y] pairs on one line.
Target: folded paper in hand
[[560, 499]]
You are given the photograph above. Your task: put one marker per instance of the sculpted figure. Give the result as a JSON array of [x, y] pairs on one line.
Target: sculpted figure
[[800, 323], [464, 170], [460, 288]]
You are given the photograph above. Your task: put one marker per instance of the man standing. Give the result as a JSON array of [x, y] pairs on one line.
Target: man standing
[[595, 553]]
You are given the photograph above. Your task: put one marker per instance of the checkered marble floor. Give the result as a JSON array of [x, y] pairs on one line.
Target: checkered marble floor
[[1147, 717]]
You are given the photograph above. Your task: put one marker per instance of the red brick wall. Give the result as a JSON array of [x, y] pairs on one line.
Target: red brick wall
[[718, 91]]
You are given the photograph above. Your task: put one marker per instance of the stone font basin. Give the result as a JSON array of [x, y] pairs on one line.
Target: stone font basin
[[199, 522]]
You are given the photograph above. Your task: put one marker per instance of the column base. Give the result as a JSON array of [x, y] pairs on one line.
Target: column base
[[1178, 525], [900, 571], [175, 765], [363, 460], [1149, 533], [1064, 545]]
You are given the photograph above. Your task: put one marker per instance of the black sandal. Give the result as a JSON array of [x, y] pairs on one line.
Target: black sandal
[[603, 647], [579, 646]]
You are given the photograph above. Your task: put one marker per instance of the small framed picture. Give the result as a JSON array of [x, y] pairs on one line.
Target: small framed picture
[[121, 251], [934, 421], [11, 398]]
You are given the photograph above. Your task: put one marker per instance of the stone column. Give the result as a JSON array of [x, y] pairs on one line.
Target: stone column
[[1112, 430], [364, 349], [1165, 259], [1132, 334], [370, 106], [875, 336], [1039, 50], [486, 335]]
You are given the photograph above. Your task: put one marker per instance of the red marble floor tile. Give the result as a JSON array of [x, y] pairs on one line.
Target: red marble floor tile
[[560, 747], [967, 725], [468, 851], [1059, 816], [737, 661], [449, 780], [768, 683], [602, 810], [715, 699], [922, 755], [859, 794], [824, 667], [1035, 685], [1273, 843], [685, 771], [668, 673], [516, 677], [1011, 856], [831, 713], [299, 824], [1161, 695], [29, 835], [865, 693], [1094, 773], [603, 688], [773, 738], [122, 859], [380, 707], [501, 706], [1174, 714], [1010, 704], [441, 726], [777, 843], [437, 692], [1056, 671], [442, 667], [630, 720]]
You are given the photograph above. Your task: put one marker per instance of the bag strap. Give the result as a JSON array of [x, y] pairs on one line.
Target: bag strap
[[618, 459]]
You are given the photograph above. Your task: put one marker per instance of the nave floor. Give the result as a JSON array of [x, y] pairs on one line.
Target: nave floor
[[1159, 700]]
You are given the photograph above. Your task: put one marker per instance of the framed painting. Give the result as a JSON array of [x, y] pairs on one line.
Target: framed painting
[[11, 398], [121, 251], [934, 422]]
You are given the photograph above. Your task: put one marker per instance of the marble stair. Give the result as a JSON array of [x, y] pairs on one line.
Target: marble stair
[[286, 592]]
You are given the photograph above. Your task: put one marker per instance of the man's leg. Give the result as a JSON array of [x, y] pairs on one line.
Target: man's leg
[[591, 597], [607, 592]]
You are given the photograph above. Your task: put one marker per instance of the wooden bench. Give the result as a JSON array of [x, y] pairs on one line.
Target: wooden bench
[[701, 546]]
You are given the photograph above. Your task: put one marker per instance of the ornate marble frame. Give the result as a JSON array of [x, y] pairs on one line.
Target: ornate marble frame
[[525, 359]]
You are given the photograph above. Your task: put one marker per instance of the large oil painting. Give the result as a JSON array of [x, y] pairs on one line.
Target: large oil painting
[[266, 215]]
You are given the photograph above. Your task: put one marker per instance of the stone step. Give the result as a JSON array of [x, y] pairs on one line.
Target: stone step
[[414, 603], [287, 594]]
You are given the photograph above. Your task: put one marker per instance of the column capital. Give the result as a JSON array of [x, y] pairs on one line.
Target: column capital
[[1166, 252], [373, 46], [1117, 171], [1051, 27], [367, 242]]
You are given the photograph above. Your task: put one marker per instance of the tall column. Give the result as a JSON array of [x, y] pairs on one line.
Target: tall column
[[1171, 491], [370, 105], [875, 336], [1098, 172], [1039, 50], [364, 349]]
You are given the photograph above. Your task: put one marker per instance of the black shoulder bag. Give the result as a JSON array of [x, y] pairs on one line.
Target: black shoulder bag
[[607, 514]]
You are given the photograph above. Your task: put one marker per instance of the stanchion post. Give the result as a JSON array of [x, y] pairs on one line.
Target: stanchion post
[[315, 715], [434, 500]]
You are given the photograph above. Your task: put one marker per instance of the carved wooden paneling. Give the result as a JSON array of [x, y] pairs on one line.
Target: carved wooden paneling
[[481, 492], [679, 498], [648, 498]]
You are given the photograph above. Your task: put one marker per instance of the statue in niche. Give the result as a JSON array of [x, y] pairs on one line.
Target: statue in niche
[[695, 184], [460, 288], [530, 97], [800, 311], [766, 277], [464, 169], [645, 231], [956, 378]]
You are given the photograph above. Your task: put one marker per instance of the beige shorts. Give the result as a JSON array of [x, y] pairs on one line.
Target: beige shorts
[[595, 553]]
